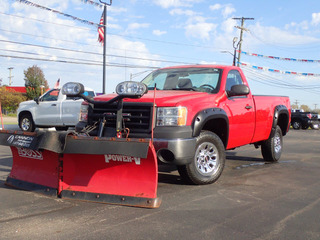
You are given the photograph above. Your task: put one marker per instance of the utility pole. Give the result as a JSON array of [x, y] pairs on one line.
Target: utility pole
[[10, 76], [315, 106], [241, 33], [104, 43]]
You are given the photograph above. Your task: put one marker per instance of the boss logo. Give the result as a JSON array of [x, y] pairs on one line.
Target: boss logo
[[28, 153]]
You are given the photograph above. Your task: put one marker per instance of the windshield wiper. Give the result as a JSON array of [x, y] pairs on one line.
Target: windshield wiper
[[193, 89]]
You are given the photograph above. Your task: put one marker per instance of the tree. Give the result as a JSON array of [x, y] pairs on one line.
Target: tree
[[10, 99], [34, 78], [305, 108]]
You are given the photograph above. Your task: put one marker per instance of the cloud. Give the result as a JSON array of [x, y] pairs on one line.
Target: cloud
[[274, 35], [176, 3], [117, 10], [61, 32], [159, 32], [200, 30], [179, 11], [4, 6], [226, 9], [135, 26], [215, 7], [315, 19]]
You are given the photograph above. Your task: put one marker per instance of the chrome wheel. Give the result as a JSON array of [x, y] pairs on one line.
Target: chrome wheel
[[208, 161], [277, 143], [271, 148], [25, 124], [207, 158]]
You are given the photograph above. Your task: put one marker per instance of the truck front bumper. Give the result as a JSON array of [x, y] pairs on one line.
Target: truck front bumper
[[175, 151], [173, 145]]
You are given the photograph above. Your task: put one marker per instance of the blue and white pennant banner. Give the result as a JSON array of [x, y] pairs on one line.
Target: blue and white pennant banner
[[58, 12], [279, 71], [280, 58]]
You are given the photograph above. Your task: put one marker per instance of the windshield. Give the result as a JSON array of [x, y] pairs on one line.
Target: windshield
[[89, 93], [193, 79]]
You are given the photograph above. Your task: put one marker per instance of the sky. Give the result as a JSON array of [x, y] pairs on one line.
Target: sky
[[143, 35]]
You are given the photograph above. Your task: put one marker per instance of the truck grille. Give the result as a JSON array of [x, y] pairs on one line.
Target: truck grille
[[137, 117]]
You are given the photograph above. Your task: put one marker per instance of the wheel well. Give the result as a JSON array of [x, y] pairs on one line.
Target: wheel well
[[25, 113], [219, 127], [283, 121]]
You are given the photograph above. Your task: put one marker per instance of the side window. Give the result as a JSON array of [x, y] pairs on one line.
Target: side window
[[51, 95], [233, 78]]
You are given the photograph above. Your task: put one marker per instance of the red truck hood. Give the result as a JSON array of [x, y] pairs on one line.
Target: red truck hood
[[166, 98]]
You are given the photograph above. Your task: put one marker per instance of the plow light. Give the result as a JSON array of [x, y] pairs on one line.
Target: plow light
[[131, 89], [72, 89]]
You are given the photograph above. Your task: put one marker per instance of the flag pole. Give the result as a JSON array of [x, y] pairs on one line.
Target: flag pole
[[104, 43]]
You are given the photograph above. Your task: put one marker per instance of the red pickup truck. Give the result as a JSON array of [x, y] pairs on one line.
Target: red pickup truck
[[193, 114]]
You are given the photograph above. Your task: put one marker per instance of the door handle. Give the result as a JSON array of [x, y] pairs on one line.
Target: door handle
[[54, 104], [248, 107]]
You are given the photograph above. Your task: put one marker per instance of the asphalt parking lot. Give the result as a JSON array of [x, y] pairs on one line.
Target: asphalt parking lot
[[251, 200]]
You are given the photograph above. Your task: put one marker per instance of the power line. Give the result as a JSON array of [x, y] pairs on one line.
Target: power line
[[126, 50], [93, 53], [125, 36], [81, 63]]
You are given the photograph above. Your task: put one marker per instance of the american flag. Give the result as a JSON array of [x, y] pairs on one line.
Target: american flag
[[101, 30], [57, 84]]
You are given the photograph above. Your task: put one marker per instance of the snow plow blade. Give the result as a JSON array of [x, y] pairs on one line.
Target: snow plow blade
[[34, 171], [112, 177], [106, 170]]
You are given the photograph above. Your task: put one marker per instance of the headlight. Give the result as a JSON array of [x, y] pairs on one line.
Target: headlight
[[131, 89], [171, 116], [72, 89]]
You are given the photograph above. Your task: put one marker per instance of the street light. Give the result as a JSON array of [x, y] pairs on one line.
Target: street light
[[235, 46]]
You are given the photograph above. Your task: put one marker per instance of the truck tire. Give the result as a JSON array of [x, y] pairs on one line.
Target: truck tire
[[296, 124], [271, 149], [26, 123], [208, 161]]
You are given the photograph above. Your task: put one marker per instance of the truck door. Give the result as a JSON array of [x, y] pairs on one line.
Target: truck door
[[48, 110], [241, 113], [70, 111]]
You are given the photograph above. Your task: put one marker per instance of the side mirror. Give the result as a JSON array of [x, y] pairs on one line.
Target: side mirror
[[239, 90], [36, 99]]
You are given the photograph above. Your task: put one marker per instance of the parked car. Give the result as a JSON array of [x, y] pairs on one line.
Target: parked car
[[304, 120], [52, 109]]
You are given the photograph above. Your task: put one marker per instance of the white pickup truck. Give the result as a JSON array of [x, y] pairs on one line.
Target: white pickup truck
[[52, 109]]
